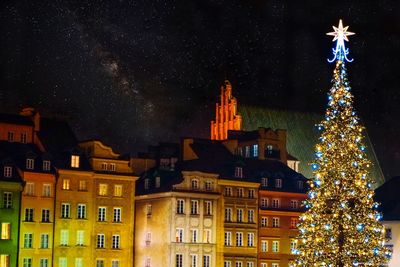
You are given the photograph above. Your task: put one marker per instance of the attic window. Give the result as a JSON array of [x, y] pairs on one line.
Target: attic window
[[146, 183], [264, 182], [158, 182], [46, 165], [74, 161], [238, 172], [10, 136], [30, 164], [300, 184], [24, 137], [278, 183], [8, 171], [195, 184]]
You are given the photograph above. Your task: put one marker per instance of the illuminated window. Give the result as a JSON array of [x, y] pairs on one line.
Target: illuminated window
[[99, 263], [30, 189], [46, 190], [118, 190], [255, 151], [10, 136], [117, 215], [44, 241], [180, 206], [228, 239], [250, 239], [28, 240], [115, 263], [116, 241], [208, 207], [294, 204], [74, 161], [239, 215], [275, 265], [24, 138], [264, 221], [293, 246], [247, 151], [227, 264], [5, 230], [80, 237], [240, 192], [264, 182], [148, 239], [263, 264], [179, 235], [62, 262], [101, 215], [250, 216], [251, 193], [103, 189], [206, 261], [30, 164], [65, 210], [228, 214], [82, 185], [45, 215], [228, 191], [29, 215], [78, 262], [81, 211], [208, 186], [238, 172], [65, 184], [239, 239], [158, 182], [46, 165], [195, 184], [64, 237], [179, 260], [149, 210], [250, 264], [276, 203], [275, 222], [27, 262], [112, 167], [7, 200], [278, 183], [264, 202], [239, 264], [264, 245], [100, 241], [207, 236], [104, 166], [275, 246], [7, 171], [194, 207], [194, 233], [4, 260], [193, 260], [294, 222]]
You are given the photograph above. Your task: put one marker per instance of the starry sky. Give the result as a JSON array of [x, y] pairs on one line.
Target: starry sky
[[133, 73]]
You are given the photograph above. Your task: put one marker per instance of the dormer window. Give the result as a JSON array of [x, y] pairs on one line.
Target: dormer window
[[195, 184], [146, 183], [74, 161], [30, 164], [164, 163], [255, 150], [8, 171], [300, 185], [264, 182], [158, 182], [46, 165], [278, 183], [239, 172]]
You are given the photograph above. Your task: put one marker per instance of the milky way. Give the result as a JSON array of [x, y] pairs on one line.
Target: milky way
[[136, 72]]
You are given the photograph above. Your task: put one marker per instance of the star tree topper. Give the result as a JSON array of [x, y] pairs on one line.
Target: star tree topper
[[340, 34]]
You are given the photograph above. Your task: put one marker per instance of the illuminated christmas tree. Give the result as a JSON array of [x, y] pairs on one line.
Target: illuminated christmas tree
[[341, 226]]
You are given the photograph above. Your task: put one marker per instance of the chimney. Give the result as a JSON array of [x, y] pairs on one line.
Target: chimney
[[34, 115]]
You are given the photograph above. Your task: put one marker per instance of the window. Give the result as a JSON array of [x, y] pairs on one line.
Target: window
[[250, 216], [208, 207], [147, 262], [255, 151], [276, 203], [27, 262], [180, 206], [269, 149], [116, 241], [46, 190], [45, 215], [30, 164], [29, 215], [115, 263], [46, 165], [30, 189], [278, 183], [80, 238], [275, 222], [24, 138], [228, 214], [65, 210], [7, 200], [117, 215], [62, 262], [5, 231], [275, 265], [82, 185], [240, 192], [250, 264], [10, 136], [149, 210], [28, 240], [250, 239], [264, 245], [112, 167], [247, 151], [146, 183], [179, 260], [74, 161], [195, 184], [78, 262], [148, 239], [294, 222], [228, 191], [207, 236], [179, 235], [206, 261], [264, 202], [275, 246], [239, 215], [263, 264], [44, 262], [100, 241], [388, 233], [264, 182], [264, 221], [238, 172], [300, 185], [239, 239], [101, 216], [158, 182], [99, 263], [103, 189], [227, 264], [239, 264], [194, 233], [194, 207], [228, 239], [293, 246], [81, 211], [208, 186], [8, 171], [251, 193], [65, 184], [64, 237], [104, 166], [193, 260], [294, 204]]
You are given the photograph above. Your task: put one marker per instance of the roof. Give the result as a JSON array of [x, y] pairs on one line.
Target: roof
[[302, 136], [388, 196], [15, 119]]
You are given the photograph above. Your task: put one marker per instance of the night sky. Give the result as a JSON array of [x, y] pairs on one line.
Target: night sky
[[133, 73]]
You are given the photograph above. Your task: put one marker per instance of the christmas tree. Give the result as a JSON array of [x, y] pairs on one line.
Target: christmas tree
[[341, 227]]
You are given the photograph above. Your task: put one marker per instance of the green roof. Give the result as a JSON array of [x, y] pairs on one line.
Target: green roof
[[302, 136]]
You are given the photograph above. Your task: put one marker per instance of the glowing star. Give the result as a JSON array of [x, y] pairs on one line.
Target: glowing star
[[340, 34]]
